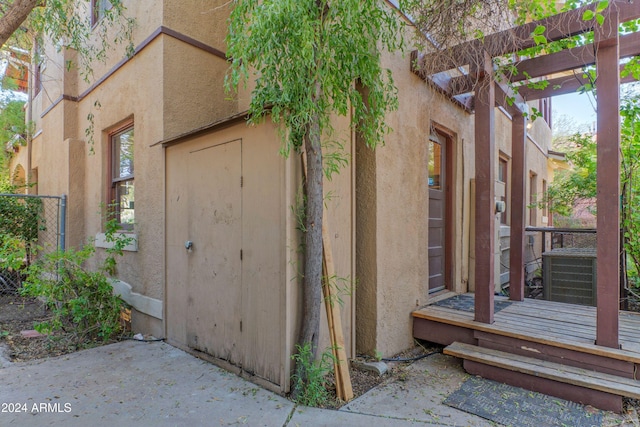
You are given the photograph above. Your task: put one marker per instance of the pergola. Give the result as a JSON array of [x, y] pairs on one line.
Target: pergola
[[477, 87]]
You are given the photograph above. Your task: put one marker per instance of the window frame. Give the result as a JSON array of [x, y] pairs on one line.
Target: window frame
[[98, 8], [114, 178], [38, 68]]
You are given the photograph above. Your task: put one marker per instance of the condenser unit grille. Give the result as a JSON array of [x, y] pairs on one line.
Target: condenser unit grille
[[570, 275]]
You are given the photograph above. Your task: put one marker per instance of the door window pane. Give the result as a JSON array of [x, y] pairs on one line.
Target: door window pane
[[435, 165]]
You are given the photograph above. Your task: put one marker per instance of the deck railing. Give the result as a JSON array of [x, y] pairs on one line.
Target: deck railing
[[567, 237]]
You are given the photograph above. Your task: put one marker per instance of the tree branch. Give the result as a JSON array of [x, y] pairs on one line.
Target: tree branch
[[14, 17]]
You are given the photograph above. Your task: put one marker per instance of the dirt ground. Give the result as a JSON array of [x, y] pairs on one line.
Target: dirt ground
[[19, 314], [362, 380]]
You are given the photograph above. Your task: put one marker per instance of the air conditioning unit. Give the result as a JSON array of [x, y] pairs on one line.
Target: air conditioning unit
[[570, 275]]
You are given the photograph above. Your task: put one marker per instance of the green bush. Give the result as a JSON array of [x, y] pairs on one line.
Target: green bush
[[20, 217], [81, 301]]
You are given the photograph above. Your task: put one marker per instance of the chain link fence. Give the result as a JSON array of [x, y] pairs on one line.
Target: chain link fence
[[30, 225]]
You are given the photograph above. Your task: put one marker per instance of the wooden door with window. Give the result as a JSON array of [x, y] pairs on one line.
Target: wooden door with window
[[439, 207]]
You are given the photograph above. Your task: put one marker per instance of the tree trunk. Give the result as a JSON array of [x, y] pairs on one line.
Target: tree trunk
[[312, 285], [14, 17]]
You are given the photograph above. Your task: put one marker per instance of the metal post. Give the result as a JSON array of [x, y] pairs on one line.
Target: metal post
[[63, 223]]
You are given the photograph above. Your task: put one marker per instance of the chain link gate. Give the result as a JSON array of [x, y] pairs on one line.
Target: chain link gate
[[30, 225]]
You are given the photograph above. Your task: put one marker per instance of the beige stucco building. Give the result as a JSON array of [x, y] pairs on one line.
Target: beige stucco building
[[216, 263]]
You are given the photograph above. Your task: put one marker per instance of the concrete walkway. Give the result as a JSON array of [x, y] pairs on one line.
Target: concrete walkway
[[153, 384]]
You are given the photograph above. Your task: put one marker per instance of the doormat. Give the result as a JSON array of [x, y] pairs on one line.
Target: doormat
[[514, 406], [466, 302]]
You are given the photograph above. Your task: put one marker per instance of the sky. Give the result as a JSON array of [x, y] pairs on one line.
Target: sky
[[580, 107]]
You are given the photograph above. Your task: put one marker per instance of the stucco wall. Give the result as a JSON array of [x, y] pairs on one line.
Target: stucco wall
[[168, 88], [134, 92], [210, 14], [366, 248], [537, 159], [339, 202], [18, 160], [148, 18], [393, 260], [193, 88]]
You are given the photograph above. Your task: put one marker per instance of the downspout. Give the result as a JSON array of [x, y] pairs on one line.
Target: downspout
[[29, 119]]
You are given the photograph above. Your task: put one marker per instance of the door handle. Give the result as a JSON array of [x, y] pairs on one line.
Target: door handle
[[188, 245]]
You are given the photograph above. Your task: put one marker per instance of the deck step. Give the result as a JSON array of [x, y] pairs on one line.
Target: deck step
[[607, 383]]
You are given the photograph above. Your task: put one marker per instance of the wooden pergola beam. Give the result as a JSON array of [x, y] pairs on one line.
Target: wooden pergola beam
[[558, 27], [460, 85], [509, 100], [512, 102], [436, 82], [571, 59], [553, 63], [505, 96], [564, 85]]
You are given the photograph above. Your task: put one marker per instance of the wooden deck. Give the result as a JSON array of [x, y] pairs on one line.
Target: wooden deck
[[558, 333]]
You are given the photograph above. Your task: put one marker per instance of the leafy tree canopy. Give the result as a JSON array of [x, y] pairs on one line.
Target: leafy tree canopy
[[307, 57], [67, 23]]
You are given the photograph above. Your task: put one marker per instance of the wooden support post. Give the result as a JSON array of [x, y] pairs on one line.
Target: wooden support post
[[608, 178], [517, 239], [344, 390], [485, 188]]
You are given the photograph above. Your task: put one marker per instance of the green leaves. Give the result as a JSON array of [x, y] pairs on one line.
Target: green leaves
[[538, 35], [13, 127], [294, 47], [313, 60], [314, 386], [77, 295], [68, 25], [596, 14], [602, 5], [580, 182], [588, 15]]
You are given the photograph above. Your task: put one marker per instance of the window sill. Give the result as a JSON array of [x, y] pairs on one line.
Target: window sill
[[101, 242]]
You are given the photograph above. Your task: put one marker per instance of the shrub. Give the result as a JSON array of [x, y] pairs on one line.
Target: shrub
[[313, 388], [81, 301]]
